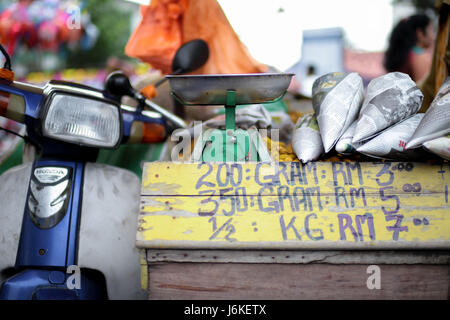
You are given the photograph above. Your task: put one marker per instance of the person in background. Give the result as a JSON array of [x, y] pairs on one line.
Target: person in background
[[411, 47]]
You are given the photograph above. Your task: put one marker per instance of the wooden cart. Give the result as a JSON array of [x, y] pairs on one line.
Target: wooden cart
[[324, 230]]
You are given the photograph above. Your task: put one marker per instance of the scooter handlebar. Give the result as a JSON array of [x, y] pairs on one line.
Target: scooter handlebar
[[177, 122]]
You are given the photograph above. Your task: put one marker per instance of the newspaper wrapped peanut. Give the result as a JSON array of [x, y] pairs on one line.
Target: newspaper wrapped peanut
[[306, 140], [345, 145], [337, 98], [389, 99], [439, 146], [436, 122], [390, 144]]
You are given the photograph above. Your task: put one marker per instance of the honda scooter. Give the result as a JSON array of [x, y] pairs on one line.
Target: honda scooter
[[68, 224]]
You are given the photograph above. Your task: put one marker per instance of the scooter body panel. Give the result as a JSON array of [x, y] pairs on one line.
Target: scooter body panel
[[107, 237], [13, 194]]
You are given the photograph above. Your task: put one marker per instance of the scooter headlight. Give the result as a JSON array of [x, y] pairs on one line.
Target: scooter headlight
[[82, 120]]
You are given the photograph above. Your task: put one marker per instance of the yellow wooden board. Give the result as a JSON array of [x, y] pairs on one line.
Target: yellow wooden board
[[287, 205]]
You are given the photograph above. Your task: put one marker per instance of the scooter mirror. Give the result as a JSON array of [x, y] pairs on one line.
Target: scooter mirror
[[118, 85], [190, 56]]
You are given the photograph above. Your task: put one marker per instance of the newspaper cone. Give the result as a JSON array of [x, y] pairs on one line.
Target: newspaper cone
[[439, 146], [391, 143], [337, 98], [436, 122], [306, 140], [389, 99], [345, 144]]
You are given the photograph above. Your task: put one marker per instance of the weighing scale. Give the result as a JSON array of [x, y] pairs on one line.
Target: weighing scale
[[230, 144]]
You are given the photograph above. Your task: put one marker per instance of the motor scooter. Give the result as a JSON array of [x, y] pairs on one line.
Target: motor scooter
[[68, 224]]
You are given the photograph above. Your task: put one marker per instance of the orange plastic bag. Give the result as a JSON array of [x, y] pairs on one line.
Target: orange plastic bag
[[158, 35], [167, 24]]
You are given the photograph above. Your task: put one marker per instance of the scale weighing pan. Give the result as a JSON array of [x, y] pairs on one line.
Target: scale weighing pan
[[211, 89]]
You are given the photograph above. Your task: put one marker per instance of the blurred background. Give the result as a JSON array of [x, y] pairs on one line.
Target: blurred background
[[308, 38]]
